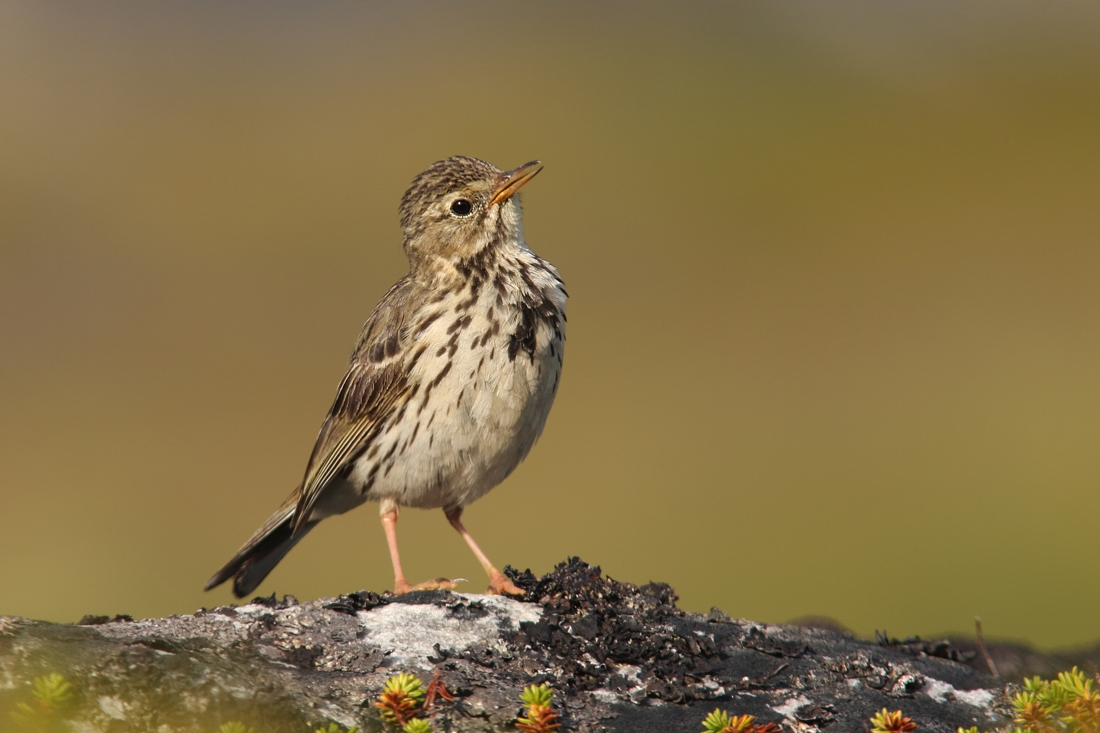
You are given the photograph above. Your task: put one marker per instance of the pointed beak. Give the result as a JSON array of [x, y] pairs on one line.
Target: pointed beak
[[511, 181]]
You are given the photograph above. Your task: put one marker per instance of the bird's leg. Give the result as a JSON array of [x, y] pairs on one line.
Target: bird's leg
[[400, 585], [498, 584], [389, 523]]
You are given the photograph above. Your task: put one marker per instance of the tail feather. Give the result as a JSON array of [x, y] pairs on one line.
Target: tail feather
[[261, 553]]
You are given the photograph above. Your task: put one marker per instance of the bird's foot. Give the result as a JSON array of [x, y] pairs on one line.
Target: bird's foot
[[501, 586], [401, 587]]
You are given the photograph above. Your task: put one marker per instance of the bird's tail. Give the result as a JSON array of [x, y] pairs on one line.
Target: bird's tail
[[262, 552]]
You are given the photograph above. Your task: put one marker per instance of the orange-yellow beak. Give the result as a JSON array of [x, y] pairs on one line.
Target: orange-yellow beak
[[511, 181]]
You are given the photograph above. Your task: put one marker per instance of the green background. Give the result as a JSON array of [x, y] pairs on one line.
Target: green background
[[834, 332]]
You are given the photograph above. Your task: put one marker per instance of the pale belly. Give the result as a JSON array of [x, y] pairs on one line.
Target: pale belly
[[479, 408]]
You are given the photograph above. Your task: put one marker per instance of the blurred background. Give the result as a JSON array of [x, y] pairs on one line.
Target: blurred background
[[834, 328]]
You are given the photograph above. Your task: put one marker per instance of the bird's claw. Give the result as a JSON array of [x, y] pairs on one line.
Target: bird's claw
[[501, 586], [401, 589]]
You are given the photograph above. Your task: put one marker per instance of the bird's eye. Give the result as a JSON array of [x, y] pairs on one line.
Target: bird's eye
[[461, 207]]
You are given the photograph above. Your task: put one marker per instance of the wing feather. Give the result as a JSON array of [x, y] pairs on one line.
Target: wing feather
[[374, 386]]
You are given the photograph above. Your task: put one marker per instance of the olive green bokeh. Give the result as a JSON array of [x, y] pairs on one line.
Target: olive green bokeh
[[834, 332]]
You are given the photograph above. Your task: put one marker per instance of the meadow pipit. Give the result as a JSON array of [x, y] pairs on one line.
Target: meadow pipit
[[452, 378]]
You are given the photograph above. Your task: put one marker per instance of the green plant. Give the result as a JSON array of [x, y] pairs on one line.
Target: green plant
[[236, 726], [1064, 705], [540, 716], [720, 722], [886, 722], [400, 701], [51, 694]]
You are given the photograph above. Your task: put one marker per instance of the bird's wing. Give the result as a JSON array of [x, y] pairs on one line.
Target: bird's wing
[[375, 383]]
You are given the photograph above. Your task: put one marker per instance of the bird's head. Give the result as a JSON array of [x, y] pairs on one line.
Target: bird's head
[[459, 206]]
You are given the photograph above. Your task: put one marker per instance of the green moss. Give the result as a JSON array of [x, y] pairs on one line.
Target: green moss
[[51, 695]]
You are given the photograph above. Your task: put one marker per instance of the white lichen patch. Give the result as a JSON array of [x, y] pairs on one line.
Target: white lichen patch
[[604, 695], [409, 633], [787, 708], [936, 689], [630, 672], [337, 715], [112, 707], [977, 698], [632, 675], [942, 692]]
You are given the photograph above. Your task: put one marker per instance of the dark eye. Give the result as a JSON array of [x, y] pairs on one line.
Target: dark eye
[[461, 207]]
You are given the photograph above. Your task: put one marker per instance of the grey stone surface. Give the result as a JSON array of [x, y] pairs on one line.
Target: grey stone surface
[[620, 658]]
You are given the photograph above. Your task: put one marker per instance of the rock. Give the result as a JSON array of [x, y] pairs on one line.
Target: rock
[[618, 657]]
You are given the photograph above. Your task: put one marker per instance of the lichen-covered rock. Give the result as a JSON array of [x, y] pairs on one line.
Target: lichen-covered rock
[[619, 658]]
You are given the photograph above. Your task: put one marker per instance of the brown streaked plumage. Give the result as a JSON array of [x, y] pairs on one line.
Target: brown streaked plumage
[[450, 382]]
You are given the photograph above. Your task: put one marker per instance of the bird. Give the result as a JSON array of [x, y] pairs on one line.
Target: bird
[[450, 382]]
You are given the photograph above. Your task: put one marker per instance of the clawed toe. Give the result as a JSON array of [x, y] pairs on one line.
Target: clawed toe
[[501, 586], [434, 584]]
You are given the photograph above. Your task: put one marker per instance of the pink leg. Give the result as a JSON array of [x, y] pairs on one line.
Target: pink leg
[[389, 523], [400, 585], [498, 584]]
